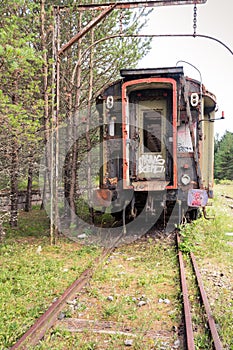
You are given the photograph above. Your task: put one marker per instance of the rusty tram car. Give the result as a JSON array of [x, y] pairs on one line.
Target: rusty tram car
[[157, 144]]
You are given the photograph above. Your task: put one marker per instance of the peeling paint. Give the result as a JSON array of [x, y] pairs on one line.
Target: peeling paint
[[184, 142]]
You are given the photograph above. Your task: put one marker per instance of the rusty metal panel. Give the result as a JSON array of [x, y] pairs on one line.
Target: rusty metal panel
[[153, 185], [101, 197]]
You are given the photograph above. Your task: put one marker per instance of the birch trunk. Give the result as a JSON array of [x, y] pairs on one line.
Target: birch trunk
[[74, 156]]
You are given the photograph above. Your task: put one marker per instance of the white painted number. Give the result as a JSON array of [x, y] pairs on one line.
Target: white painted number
[[194, 99], [109, 102]]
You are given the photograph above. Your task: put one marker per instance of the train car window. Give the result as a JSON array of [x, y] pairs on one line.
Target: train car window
[[152, 131]]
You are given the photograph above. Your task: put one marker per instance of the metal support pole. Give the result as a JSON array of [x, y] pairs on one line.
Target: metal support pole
[[86, 29]]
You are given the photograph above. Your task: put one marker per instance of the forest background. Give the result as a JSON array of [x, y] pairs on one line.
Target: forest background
[[30, 34], [28, 95]]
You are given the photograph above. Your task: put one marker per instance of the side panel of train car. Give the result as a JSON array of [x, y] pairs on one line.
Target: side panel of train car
[[157, 141]]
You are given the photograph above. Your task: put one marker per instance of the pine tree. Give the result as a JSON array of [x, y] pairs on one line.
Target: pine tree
[[86, 67], [26, 84], [20, 109], [224, 157]]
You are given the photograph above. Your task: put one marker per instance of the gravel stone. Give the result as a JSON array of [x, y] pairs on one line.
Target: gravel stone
[[128, 342], [176, 344], [61, 316], [82, 236], [72, 302], [166, 301]]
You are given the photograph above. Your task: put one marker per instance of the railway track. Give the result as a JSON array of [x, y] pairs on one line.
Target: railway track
[[37, 331], [184, 339], [229, 200], [190, 341]]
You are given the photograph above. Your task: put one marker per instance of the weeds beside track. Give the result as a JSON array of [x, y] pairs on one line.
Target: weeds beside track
[[30, 282]]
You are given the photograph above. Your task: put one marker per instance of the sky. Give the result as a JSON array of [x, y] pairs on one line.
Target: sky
[[214, 61]]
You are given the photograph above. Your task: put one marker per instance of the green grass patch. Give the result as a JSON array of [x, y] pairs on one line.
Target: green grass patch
[[32, 278]]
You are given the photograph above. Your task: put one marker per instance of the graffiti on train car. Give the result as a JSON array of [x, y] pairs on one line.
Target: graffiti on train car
[[151, 163]]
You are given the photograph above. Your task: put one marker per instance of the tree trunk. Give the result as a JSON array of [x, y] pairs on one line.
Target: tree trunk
[[71, 163], [28, 204], [14, 184], [1, 233]]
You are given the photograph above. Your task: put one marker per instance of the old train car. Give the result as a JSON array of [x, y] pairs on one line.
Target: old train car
[[157, 144]]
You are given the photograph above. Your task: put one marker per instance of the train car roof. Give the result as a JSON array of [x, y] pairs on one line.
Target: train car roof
[[144, 72]]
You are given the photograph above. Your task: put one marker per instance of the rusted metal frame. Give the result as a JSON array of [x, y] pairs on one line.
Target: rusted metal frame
[[187, 309], [124, 133], [125, 136], [57, 145], [54, 130], [174, 132], [212, 325], [36, 332], [206, 216], [192, 134], [135, 4], [86, 29]]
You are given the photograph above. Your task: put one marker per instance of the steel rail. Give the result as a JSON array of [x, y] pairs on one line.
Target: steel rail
[[211, 322], [187, 313], [187, 310], [227, 197], [36, 332]]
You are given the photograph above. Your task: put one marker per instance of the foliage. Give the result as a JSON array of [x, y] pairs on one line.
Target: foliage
[[27, 78], [224, 157], [20, 82], [20, 110]]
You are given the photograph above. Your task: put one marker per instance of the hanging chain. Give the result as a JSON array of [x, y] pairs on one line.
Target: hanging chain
[[195, 20]]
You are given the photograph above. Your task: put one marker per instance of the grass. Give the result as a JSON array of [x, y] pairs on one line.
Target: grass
[[132, 281], [30, 278], [142, 271]]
